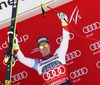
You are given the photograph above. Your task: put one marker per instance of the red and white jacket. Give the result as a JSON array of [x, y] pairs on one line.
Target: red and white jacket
[[52, 70]]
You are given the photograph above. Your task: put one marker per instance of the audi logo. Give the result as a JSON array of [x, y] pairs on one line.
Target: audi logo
[[79, 72], [59, 39], [92, 27], [19, 76], [95, 46], [73, 55], [53, 73], [98, 64]]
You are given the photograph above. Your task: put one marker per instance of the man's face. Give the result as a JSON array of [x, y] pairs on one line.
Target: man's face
[[44, 48]]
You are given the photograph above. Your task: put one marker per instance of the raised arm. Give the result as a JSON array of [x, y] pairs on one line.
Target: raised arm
[[25, 60], [65, 31]]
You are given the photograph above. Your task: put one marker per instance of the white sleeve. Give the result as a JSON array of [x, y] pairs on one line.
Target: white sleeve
[[26, 61], [64, 44]]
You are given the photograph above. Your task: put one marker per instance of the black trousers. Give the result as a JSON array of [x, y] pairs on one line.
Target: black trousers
[[66, 83]]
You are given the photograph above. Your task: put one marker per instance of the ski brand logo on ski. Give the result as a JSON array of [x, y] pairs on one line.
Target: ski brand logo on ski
[[7, 82], [15, 4]]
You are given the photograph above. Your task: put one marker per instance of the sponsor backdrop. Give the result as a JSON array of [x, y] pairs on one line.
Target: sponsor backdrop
[[83, 55]]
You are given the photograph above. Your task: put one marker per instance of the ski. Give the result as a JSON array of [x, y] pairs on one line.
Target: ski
[[9, 56]]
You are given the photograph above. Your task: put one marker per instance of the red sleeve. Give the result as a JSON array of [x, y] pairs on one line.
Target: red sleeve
[[66, 28]]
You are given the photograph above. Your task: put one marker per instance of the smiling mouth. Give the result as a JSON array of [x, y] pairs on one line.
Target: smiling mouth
[[45, 50]]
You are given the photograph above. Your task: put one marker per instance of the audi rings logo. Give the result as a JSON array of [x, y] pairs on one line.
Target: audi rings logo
[[95, 46], [59, 39], [98, 64], [91, 27], [53, 73], [79, 72], [73, 55], [19, 76]]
